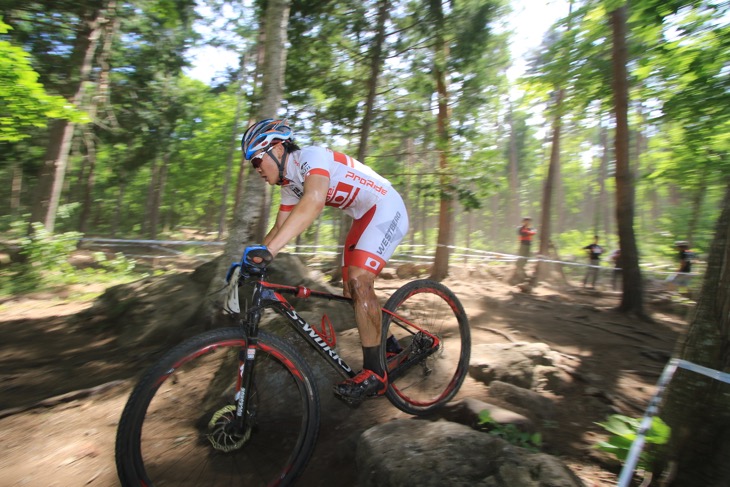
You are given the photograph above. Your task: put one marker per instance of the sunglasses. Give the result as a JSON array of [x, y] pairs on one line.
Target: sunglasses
[[259, 158]]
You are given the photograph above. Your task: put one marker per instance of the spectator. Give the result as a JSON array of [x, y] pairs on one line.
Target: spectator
[[525, 234], [594, 255], [685, 264]]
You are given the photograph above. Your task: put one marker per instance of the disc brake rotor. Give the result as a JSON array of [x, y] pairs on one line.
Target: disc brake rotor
[[222, 435]]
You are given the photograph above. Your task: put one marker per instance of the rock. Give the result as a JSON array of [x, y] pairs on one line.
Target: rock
[[554, 379], [415, 452], [527, 400], [84, 259], [467, 412], [411, 270], [163, 309], [406, 271], [514, 363]]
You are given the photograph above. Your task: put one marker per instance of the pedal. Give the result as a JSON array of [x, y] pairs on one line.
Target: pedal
[[349, 401]]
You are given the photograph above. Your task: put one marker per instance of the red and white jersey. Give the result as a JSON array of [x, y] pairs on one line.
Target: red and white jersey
[[354, 187]]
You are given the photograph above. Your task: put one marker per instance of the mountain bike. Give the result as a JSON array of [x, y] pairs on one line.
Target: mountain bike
[[240, 406]]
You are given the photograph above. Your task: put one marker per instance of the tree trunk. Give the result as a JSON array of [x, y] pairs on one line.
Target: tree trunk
[[547, 194], [632, 299], [117, 220], [698, 407], [277, 20], [89, 174], [149, 201], [53, 169], [441, 260], [249, 225], [100, 99], [376, 63], [603, 200], [411, 207], [231, 151], [513, 214], [16, 188], [158, 195], [698, 199]]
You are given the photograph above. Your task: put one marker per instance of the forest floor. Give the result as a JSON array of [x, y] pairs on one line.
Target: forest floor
[[62, 389]]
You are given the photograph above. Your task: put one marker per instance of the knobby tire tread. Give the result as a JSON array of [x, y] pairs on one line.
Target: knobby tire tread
[[128, 438]]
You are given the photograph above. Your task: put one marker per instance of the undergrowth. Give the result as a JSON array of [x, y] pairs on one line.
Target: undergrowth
[[45, 265]]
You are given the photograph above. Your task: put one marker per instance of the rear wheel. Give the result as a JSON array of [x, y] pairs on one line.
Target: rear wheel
[[177, 428], [432, 328]]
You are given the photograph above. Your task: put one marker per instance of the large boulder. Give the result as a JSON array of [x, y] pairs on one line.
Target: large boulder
[[434, 454], [163, 310], [529, 365]]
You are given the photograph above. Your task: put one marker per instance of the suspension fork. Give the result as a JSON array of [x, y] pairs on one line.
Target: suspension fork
[[247, 358]]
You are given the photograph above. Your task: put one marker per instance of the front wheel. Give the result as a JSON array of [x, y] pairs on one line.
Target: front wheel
[[178, 427], [431, 326]]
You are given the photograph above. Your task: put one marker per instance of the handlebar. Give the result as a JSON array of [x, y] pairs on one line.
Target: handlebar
[[254, 261]]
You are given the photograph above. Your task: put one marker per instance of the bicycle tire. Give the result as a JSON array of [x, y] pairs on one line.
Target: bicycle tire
[[172, 429], [434, 378]]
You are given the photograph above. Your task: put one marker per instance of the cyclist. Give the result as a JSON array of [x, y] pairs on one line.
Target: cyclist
[[310, 178]]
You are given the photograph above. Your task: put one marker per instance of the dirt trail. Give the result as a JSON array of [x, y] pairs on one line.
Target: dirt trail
[[69, 440]]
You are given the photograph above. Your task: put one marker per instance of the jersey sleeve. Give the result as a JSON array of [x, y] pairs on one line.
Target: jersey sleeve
[[315, 160], [289, 199]]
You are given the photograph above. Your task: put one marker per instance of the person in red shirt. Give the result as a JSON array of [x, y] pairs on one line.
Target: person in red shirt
[[525, 234]]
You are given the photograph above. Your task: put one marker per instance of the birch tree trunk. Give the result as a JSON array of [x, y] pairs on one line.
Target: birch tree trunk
[[272, 86], [250, 217]]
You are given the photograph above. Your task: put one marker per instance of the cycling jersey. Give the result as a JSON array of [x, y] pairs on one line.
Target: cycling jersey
[[354, 187], [381, 220]]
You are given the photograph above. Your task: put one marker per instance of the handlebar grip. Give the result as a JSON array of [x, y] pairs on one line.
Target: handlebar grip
[[256, 257]]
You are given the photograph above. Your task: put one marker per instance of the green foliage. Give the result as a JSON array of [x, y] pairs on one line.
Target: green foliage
[[119, 265], [510, 433], [624, 430], [46, 257], [24, 102], [151, 116], [46, 263]]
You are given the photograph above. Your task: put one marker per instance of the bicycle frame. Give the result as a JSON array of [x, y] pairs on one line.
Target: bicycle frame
[[270, 295]]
